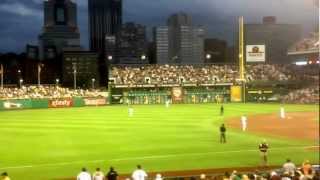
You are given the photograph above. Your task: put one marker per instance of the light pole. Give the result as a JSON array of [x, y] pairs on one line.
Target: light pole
[[39, 73], [57, 82], [93, 80], [1, 72], [19, 76], [20, 82], [74, 67]]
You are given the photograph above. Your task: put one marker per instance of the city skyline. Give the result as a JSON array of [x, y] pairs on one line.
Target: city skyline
[[219, 18]]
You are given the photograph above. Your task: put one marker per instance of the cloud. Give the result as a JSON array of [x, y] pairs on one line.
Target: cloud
[[19, 9], [218, 17]]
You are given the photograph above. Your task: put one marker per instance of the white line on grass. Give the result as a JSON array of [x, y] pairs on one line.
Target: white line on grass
[[146, 157]]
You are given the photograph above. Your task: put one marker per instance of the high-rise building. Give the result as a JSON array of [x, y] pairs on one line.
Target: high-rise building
[[60, 28], [105, 19], [185, 42], [132, 44], [276, 37], [161, 39]]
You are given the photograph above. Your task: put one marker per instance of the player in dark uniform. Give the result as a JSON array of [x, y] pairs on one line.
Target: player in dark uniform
[[221, 110], [263, 147], [223, 134]]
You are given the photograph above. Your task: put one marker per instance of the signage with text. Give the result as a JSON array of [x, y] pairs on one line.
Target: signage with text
[[58, 103], [256, 53]]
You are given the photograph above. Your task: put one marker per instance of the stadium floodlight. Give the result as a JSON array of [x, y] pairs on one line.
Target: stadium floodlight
[[143, 57], [208, 56], [93, 80]]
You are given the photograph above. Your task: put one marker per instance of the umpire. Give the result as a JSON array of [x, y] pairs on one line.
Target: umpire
[[223, 134]]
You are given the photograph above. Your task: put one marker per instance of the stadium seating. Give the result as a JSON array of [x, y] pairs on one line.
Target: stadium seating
[[204, 74], [36, 92]]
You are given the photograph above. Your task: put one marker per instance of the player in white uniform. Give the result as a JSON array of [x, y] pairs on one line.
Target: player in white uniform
[[244, 123], [282, 113], [167, 103], [130, 111]]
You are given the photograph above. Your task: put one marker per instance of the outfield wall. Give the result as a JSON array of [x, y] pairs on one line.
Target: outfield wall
[[11, 104]]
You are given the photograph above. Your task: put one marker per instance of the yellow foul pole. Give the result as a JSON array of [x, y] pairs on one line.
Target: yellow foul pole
[[241, 58], [241, 50]]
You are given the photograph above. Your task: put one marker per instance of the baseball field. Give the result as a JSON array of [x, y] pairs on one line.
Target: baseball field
[[56, 143]]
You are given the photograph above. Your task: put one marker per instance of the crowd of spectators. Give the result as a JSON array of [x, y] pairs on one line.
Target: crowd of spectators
[[38, 92], [206, 74], [288, 171], [306, 96], [173, 74]]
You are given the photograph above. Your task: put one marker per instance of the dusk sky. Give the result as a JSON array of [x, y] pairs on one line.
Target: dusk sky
[[21, 20]]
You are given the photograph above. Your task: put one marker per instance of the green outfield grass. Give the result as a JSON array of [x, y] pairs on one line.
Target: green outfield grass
[[52, 143]]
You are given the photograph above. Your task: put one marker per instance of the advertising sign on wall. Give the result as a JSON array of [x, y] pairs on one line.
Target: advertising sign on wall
[[236, 92], [256, 53], [177, 94], [58, 103], [95, 101], [12, 105]]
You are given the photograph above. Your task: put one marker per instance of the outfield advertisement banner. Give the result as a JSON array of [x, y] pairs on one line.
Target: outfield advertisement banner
[[255, 53], [16, 104], [177, 94], [58, 103], [12, 105], [95, 101], [236, 92]]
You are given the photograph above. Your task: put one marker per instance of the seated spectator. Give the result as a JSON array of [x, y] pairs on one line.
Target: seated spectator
[[289, 167], [98, 175], [306, 167], [112, 174], [5, 176], [139, 174], [84, 175]]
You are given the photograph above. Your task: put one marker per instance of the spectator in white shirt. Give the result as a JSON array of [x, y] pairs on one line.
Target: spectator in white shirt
[[98, 175], [84, 175], [139, 174], [289, 167]]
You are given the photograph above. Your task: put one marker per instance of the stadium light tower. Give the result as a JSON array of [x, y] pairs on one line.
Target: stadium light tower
[[74, 67]]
